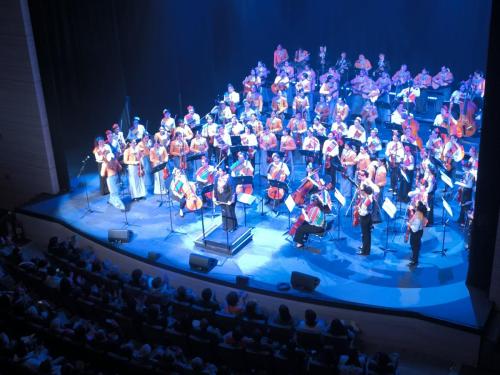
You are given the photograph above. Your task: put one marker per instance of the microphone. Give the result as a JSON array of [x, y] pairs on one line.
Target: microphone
[[86, 158]]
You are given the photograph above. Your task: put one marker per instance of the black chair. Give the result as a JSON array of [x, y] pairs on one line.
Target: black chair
[[126, 324], [199, 312], [225, 322], [249, 326], [174, 337], [180, 309], [258, 360], [285, 365], [326, 231], [309, 339], [279, 332], [340, 343], [230, 356], [200, 347]]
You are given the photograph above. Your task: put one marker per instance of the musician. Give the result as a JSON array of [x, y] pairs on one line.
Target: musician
[[453, 152], [144, 146], [347, 159], [280, 56], [362, 159], [314, 221], [167, 121], [289, 69], [179, 148], [360, 81], [236, 127], [423, 80], [399, 115], [279, 104], [192, 119], [256, 125], [408, 167], [330, 91], [261, 71], [478, 85], [430, 178], [209, 131], [118, 137], [110, 170], [101, 149], [297, 126], [186, 131], [301, 57], [384, 84], [373, 143], [306, 85], [225, 113], [274, 124], [342, 66], [380, 178], [467, 186], [247, 112], [288, 146], [369, 115], [204, 176], [382, 66], [300, 103], [456, 98], [394, 152], [442, 79], [158, 155], [409, 95], [322, 109], [341, 109], [249, 139], [311, 143], [113, 143], [339, 125], [232, 97], [419, 194], [250, 81], [365, 180], [242, 167], [442, 119], [162, 136], [255, 99], [318, 128], [416, 226], [330, 151], [282, 81], [364, 209], [222, 142], [278, 171], [331, 74], [177, 187], [198, 145], [267, 142], [310, 75], [408, 137], [401, 77], [362, 63], [133, 159], [137, 130], [356, 131], [224, 196]]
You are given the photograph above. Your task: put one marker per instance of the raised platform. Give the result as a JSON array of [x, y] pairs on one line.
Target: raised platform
[[222, 242]]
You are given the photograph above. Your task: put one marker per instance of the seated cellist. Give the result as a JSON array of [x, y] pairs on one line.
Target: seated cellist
[[277, 171], [312, 220], [242, 167]]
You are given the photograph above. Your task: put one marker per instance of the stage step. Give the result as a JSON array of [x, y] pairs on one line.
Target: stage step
[[221, 242]]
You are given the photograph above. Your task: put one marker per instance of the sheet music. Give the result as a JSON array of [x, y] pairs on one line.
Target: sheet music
[[446, 179], [404, 175], [290, 203], [338, 195], [447, 207], [246, 198], [389, 208]]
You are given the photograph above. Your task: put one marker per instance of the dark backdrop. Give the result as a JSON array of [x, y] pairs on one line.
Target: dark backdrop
[[173, 53]]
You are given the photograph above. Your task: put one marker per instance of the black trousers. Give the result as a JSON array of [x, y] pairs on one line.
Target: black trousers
[[304, 230], [405, 187], [430, 214], [394, 176], [366, 233], [466, 197], [103, 186], [229, 221], [416, 243]]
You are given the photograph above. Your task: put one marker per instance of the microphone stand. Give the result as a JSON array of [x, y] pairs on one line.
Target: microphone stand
[[172, 231], [89, 209]]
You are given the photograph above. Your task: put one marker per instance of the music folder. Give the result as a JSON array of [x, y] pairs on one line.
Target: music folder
[[389, 208], [338, 195], [246, 198]]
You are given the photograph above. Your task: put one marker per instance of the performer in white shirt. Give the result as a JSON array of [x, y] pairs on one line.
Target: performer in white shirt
[[356, 131], [394, 152]]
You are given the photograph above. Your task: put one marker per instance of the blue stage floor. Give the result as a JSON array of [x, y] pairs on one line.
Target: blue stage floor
[[435, 289]]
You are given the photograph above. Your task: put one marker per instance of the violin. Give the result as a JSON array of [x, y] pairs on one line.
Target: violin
[[274, 192]]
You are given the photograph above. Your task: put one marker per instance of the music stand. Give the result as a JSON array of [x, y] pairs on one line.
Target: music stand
[[246, 200], [271, 152], [392, 126], [172, 230], [341, 203], [290, 204], [195, 156], [446, 210], [209, 189], [309, 154], [157, 169], [279, 185], [89, 209], [235, 140], [390, 209]]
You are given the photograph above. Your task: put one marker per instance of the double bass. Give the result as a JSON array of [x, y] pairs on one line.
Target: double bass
[[466, 125]]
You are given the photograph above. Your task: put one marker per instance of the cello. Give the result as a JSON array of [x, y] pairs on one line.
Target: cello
[[299, 195], [193, 202], [299, 221], [466, 125], [274, 192]]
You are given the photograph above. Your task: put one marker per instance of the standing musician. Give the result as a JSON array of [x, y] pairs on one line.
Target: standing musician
[[373, 143], [443, 119], [158, 155], [191, 119], [362, 63], [423, 80], [256, 125], [341, 109], [281, 82], [382, 66], [113, 143], [232, 98], [300, 103], [477, 83], [419, 194], [101, 149], [242, 167], [274, 124], [301, 57], [342, 65], [177, 187], [222, 142], [225, 197], [415, 231], [369, 115], [162, 136], [205, 175], [247, 112], [330, 91], [365, 180], [133, 159], [356, 131], [394, 152], [280, 56], [144, 146], [330, 151], [322, 109], [198, 146], [466, 189], [277, 171], [288, 146], [118, 137], [408, 167], [401, 77], [267, 142], [297, 126], [110, 170], [209, 131], [380, 178], [251, 81], [279, 104], [364, 211], [289, 69], [348, 161], [318, 128], [178, 151], [456, 98], [362, 159], [261, 71], [311, 220], [167, 122], [186, 131], [235, 127], [435, 144], [255, 99], [339, 126], [137, 130], [249, 139]]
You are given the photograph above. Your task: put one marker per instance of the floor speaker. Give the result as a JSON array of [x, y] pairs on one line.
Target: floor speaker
[[119, 235], [302, 281], [201, 262]]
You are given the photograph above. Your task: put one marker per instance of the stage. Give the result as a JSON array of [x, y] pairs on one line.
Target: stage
[[381, 282]]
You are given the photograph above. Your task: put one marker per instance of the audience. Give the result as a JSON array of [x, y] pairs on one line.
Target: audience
[[311, 322]]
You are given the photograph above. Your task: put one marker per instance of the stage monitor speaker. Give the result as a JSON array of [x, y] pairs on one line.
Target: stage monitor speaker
[[242, 282], [153, 255], [302, 281], [119, 235], [201, 262]]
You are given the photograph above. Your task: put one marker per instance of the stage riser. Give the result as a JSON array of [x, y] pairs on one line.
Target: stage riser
[[381, 331], [217, 242]]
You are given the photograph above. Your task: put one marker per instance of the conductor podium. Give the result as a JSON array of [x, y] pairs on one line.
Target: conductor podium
[[226, 243]]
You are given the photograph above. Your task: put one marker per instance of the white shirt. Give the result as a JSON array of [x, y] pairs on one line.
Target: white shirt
[[357, 133], [139, 134], [396, 149], [396, 118], [330, 148]]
